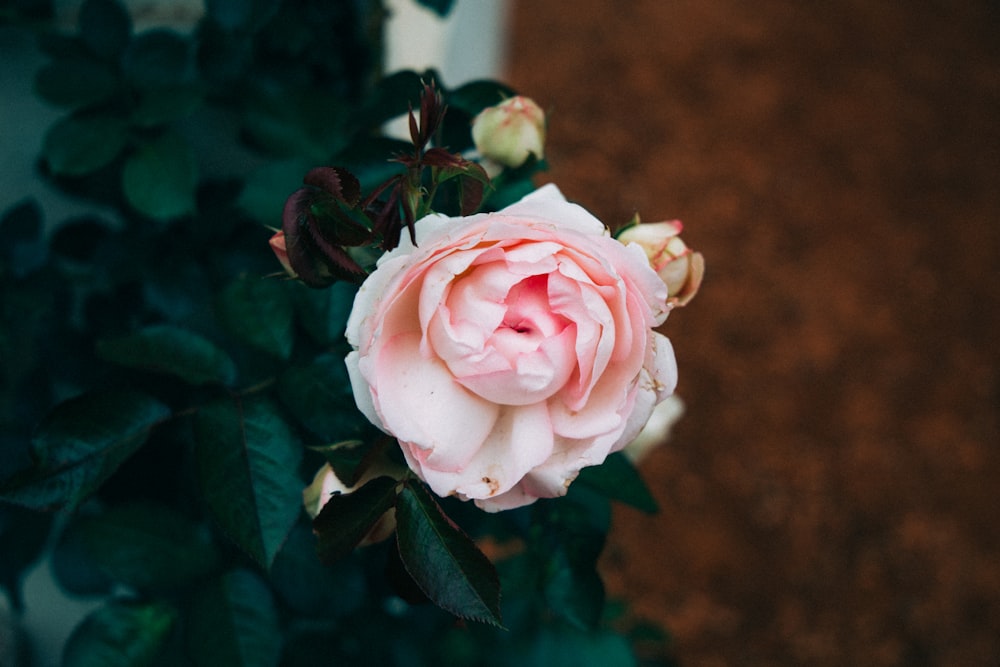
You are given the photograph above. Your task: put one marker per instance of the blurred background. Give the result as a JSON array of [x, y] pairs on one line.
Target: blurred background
[[829, 498]]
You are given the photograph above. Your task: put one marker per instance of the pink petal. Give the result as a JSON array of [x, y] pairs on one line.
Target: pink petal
[[419, 402]]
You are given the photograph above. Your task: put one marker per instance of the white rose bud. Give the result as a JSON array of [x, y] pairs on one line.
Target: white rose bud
[[677, 265], [326, 484], [510, 131]]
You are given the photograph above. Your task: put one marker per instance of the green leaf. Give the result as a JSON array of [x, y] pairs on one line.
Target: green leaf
[[80, 444], [258, 312], [346, 518], [323, 313], [392, 97], [75, 83], [148, 547], [172, 351], [78, 145], [568, 536], [248, 460], [237, 15], [574, 591], [159, 58], [310, 588], [105, 27], [159, 179], [619, 480], [74, 568], [234, 622], [475, 96], [556, 646], [346, 458], [165, 105], [443, 561], [319, 395], [120, 634], [268, 186]]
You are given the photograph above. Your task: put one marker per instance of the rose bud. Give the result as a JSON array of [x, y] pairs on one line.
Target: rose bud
[[677, 265], [510, 131], [277, 244], [326, 484]]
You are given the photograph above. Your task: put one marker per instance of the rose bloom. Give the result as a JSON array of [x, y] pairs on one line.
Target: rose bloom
[[507, 351], [678, 266], [510, 131]]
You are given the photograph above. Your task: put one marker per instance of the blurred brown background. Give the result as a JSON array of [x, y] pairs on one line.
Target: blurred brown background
[[830, 497]]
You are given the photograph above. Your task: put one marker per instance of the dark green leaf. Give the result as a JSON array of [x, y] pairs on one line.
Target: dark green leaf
[[75, 83], [574, 591], [290, 123], [248, 461], [78, 145], [259, 312], [80, 444], [323, 313], [319, 395], [618, 479], [442, 7], [475, 96], [346, 458], [165, 105], [267, 187], [347, 518], [556, 646], [159, 58], [105, 27], [172, 351], [73, 567], [159, 180], [568, 537], [241, 15], [23, 250], [367, 159], [309, 587], [233, 622], [22, 222], [119, 634], [148, 547], [23, 534], [393, 96], [443, 561]]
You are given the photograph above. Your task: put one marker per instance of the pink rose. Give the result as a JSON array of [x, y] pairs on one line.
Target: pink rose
[[507, 351]]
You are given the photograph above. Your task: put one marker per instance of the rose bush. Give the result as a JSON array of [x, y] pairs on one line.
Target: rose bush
[[507, 351]]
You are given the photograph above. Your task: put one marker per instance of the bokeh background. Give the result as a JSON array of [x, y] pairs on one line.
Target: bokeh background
[[830, 497]]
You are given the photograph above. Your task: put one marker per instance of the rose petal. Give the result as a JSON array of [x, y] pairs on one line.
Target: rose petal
[[419, 402], [520, 440]]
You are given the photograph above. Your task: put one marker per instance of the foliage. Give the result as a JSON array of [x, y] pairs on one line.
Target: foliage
[[171, 396]]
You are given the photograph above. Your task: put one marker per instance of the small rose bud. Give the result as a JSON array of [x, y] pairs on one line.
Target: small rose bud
[[326, 484], [677, 265], [510, 131], [277, 244]]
